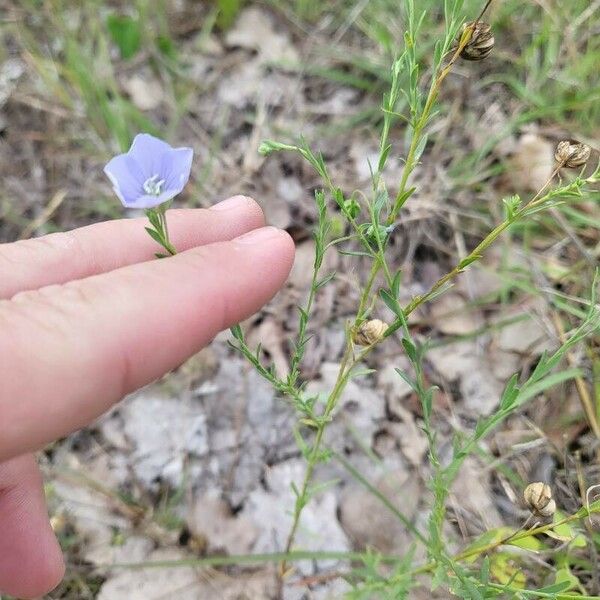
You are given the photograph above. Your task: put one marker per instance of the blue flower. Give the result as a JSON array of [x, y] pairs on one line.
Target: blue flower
[[151, 173]]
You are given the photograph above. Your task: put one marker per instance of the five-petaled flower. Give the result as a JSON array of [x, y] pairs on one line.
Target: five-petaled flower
[[151, 173]]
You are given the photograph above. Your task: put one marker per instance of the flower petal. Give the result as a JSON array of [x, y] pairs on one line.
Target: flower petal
[[176, 168], [148, 151], [143, 200], [148, 201], [126, 177]]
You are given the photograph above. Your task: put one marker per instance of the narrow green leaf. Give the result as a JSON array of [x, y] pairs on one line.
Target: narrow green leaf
[[410, 348], [395, 288], [391, 302], [126, 33], [155, 235], [237, 333], [463, 264], [153, 218], [383, 158], [323, 282]]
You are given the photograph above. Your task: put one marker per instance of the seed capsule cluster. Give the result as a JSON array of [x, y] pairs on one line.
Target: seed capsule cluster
[[481, 43], [572, 154], [538, 497], [369, 332]]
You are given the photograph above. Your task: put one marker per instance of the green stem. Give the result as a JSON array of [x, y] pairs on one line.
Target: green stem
[[410, 163], [313, 458], [299, 350], [165, 231], [475, 254], [519, 535]]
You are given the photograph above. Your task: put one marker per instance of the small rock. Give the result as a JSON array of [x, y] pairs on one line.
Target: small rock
[[453, 317], [382, 530], [11, 70], [162, 432], [504, 364], [211, 518], [473, 496], [254, 30], [182, 583], [480, 390], [532, 163], [270, 510], [452, 360], [523, 336], [395, 386], [409, 437], [291, 190], [146, 94], [94, 519]]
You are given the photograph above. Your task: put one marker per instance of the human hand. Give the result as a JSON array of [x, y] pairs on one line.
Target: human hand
[[87, 317]]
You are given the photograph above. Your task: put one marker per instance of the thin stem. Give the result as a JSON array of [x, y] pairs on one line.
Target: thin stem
[[517, 536], [313, 459], [298, 353], [364, 297], [165, 230], [410, 163], [484, 10], [426, 113], [475, 254]]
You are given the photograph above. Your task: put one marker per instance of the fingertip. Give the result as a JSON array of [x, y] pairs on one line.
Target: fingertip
[[45, 575], [277, 243], [241, 207], [223, 221], [239, 202], [286, 249], [31, 561]]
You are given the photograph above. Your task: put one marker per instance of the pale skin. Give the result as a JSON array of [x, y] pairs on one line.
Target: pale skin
[[87, 317]]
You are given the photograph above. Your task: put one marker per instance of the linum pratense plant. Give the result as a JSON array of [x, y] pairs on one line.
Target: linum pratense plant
[[152, 172]]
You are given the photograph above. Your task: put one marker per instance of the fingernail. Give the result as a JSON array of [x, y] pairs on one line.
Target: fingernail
[[231, 203], [259, 236]]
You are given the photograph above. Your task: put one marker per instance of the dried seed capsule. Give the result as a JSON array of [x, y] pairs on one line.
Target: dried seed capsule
[[572, 154], [369, 332], [538, 497], [481, 43]]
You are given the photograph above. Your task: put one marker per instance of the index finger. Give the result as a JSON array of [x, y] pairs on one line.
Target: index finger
[[61, 257], [67, 353]]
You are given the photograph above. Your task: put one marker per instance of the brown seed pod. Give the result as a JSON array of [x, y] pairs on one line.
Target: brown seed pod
[[572, 154], [538, 497], [369, 332], [481, 43]]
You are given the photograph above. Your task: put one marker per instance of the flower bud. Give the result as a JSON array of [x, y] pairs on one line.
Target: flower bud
[[572, 154], [538, 497], [352, 208], [481, 43], [369, 332]]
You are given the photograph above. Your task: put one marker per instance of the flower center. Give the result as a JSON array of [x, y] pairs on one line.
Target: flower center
[[153, 186]]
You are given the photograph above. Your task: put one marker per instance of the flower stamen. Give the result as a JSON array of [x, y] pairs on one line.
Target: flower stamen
[[153, 186]]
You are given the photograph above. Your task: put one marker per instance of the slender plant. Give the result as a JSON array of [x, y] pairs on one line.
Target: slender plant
[[370, 224], [484, 569]]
